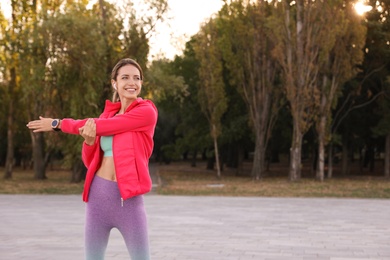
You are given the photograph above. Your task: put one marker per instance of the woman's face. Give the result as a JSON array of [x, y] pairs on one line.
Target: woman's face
[[128, 83]]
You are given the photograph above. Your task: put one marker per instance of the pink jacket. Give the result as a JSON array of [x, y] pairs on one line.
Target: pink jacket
[[132, 145]]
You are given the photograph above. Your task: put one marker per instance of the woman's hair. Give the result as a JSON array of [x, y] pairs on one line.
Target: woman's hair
[[115, 70]]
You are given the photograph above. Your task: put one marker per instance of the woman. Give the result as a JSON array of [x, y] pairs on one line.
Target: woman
[[116, 150]]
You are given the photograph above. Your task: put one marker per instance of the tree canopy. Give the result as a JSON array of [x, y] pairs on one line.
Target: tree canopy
[[308, 80]]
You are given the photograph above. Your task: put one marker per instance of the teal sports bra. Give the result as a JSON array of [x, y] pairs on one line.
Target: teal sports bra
[[106, 145]]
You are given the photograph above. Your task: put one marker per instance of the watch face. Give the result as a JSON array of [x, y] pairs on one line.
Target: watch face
[[54, 123]]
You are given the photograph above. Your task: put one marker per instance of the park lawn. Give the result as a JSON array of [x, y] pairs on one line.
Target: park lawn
[[23, 182], [185, 183], [180, 181]]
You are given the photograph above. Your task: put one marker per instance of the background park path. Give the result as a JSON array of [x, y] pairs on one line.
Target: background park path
[[45, 227]]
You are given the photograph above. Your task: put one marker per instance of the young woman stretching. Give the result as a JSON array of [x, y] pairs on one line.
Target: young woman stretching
[[116, 150]]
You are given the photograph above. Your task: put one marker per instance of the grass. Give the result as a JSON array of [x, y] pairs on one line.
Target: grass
[[23, 182], [176, 183], [183, 180], [180, 179]]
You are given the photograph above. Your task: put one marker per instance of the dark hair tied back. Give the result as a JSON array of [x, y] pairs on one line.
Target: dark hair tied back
[[124, 62]]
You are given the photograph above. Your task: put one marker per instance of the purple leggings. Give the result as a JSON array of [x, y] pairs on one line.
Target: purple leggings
[[104, 212]]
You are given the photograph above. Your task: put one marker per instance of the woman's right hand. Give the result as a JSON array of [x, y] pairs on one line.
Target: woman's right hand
[[88, 132], [43, 124]]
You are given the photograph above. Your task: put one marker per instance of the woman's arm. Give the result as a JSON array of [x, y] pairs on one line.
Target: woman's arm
[[140, 118], [44, 124], [88, 132]]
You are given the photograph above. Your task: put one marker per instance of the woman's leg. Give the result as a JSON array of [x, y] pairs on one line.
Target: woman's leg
[[96, 236], [132, 224], [99, 218]]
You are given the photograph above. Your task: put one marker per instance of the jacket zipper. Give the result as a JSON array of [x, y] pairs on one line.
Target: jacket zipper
[[122, 202]]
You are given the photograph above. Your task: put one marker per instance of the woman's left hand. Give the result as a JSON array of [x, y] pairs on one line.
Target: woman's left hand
[[88, 131], [41, 125]]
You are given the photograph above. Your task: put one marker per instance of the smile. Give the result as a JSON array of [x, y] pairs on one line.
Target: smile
[[131, 89]]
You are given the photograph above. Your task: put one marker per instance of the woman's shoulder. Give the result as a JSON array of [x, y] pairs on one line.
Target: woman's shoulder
[[142, 101], [146, 103]]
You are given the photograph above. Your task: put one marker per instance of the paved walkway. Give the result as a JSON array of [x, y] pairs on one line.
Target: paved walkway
[[46, 227]]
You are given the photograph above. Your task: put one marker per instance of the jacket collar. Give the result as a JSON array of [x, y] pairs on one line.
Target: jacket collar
[[113, 107]]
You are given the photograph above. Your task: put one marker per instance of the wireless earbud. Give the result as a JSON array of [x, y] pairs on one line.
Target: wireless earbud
[[115, 86]]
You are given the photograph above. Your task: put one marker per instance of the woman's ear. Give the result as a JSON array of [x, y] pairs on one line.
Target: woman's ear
[[113, 84]]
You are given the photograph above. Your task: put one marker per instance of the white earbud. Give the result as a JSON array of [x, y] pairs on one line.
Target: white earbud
[[115, 86]]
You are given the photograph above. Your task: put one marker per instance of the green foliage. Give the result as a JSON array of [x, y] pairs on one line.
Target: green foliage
[[192, 130], [342, 54], [169, 91], [383, 126], [62, 54], [162, 85], [212, 97], [376, 64], [245, 41]]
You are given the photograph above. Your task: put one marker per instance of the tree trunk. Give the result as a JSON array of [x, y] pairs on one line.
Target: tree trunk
[[193, 160], [259, 155], [10, 143], [9, 163], [78, 171], [330, 161], [321, 129], [38, 158], [216, 152], [296, 147], [210, 163], [387, 157], [321, 149], [295, 153], [321, 160]]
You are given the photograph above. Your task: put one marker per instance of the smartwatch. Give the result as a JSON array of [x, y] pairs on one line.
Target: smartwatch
[[55, 124]]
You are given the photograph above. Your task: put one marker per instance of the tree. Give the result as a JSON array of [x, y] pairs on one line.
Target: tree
[[3, 86], [168, 91], [377, 68], [32, 73], [109, 27], [73, 74], [365, 95], [12, 49], [212, 96], [383, 129], [64, 58], [342, 53], [298, 35], [192, 130], [247, 50]]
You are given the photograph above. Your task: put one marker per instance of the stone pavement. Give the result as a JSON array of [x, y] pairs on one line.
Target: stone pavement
[[45, 227]]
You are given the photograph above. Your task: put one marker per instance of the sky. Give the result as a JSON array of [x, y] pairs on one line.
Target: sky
[[186, 17], [171, 36]]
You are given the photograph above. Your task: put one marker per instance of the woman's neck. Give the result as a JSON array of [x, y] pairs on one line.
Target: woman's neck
[[124, 105]]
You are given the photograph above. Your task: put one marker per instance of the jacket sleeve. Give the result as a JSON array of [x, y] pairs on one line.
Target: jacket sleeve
[[88, 152], [139, 119], [71, 126]]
